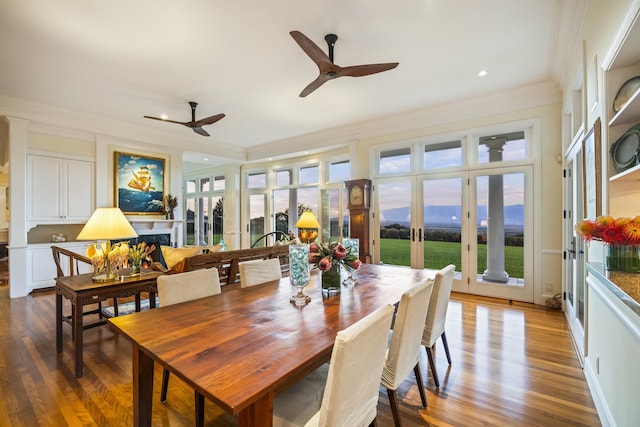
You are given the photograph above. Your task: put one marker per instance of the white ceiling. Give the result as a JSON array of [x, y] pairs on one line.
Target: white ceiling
[[123, 59]]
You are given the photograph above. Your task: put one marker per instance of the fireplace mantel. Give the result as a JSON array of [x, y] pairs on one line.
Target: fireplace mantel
[[173, 227]]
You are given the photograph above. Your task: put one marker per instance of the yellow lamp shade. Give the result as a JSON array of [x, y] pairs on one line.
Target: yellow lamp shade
[[307, 220], [107, 224]]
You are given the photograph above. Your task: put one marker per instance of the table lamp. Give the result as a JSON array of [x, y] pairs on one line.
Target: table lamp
[[307, 227], [107, 224]]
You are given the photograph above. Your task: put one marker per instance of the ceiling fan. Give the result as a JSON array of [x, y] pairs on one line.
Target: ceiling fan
[[329, 70], [194, 124]]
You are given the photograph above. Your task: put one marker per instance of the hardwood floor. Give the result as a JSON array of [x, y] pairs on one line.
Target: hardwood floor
[[512, 365]]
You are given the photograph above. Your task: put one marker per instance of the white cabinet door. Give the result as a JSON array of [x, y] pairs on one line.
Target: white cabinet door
[[60, 190], [45, 193], [79, 190], [42, 268]]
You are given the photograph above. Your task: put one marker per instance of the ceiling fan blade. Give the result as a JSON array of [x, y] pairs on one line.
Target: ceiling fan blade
[[322, 79], [316, 54], [209, 120], [165, 120], [365, 70], [200, 131]]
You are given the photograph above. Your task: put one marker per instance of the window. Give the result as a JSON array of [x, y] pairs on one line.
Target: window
[[204, 210], [283, 178], [502, 148], [257, 180], [442, 155], [309, 175], [190, 186], [339, 171], [395, 161], [219, 183]]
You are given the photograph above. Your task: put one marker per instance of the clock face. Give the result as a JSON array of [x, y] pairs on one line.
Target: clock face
[[356, 197]]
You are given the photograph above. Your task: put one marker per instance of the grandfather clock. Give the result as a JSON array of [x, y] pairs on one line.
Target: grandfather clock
[[359, 202]]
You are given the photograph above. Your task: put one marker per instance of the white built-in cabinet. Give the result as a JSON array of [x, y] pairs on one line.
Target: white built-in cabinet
[[41, 271], [60, 190], [624, 187], [613, 317]]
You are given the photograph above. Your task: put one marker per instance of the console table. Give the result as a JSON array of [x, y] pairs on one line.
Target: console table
[[80, 290]]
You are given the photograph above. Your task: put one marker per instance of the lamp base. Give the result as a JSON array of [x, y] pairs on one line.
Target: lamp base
[[101, 278]]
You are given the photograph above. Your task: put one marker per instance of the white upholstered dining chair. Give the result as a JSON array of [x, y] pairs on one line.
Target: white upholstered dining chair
[[436, 317], [259, 271], [181, 287], [343, 393], [404, 347]]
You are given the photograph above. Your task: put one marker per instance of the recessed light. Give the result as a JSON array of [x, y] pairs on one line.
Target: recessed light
[[164, 117], [482, 73], [205, 159]]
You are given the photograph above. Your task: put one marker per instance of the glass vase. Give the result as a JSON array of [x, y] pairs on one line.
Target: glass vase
[[331, 280], [135, 265], [624, 258], [299, 272]]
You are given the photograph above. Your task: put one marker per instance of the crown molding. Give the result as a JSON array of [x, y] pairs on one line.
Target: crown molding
[[525, 97], [76, 124]]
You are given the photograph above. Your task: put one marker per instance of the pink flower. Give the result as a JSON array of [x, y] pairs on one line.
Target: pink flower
[[340, 252], [325, 264]]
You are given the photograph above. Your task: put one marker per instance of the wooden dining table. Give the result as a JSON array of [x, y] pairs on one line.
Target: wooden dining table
[[243, 347]]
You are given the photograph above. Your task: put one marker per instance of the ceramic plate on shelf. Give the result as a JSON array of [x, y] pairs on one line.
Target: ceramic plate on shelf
[[625, 93], [625, 150]]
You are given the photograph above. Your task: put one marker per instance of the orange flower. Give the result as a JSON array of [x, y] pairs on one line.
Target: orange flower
[[620, 231], [585, 229], [605, 221], [632, 231]]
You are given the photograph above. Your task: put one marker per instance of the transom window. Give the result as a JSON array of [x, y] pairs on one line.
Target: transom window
[[395, 161]]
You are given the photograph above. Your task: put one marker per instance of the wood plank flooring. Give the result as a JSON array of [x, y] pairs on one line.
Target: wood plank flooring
[[513, 365]]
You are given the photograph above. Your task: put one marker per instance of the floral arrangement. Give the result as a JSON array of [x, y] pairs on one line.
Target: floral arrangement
[[620, 231], [117, 256], [170, 203], [325, 255], [140, 252]]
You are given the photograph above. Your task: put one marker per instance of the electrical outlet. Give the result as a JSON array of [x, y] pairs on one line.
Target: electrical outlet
[[549, 287]]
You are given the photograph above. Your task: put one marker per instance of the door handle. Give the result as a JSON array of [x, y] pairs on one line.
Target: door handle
[[413, 234], [420, 235]]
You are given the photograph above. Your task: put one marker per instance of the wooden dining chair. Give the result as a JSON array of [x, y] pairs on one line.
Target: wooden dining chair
[[404, 347], [181, 287], [69, 263], [259, 271], [343, 393], [436, 317]]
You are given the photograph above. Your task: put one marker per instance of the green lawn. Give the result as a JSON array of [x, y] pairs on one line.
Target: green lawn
[[439, 254]]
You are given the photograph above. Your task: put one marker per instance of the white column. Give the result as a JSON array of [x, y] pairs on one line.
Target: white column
[[18, 267], [495, 224]]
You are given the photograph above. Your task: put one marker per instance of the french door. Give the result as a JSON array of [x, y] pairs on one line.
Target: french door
[[574, 254], [476, 220], [204, 220]]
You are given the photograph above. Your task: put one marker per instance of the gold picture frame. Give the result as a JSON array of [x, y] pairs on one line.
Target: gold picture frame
[[138, 183]]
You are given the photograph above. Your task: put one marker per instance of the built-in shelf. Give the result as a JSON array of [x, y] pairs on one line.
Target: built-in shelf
[[629, 113], [631, 174]]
